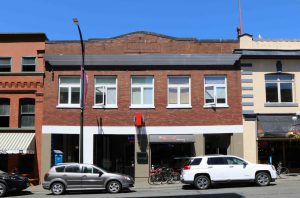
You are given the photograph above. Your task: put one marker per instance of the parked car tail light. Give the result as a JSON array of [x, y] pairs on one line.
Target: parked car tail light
[[188, 167], [46, 176]]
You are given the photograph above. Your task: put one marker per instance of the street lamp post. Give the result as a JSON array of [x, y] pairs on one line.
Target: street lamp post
[[81, 94]]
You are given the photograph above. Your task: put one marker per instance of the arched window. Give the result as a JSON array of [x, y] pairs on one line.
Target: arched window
[[4, 112], [27, 112], [279, 88]]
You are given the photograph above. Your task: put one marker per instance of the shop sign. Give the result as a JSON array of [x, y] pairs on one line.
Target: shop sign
[[172, 138]]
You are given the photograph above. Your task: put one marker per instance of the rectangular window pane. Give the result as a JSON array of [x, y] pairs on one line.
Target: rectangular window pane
[[209, 94], [271, 77], [27, 120], [142, 80], [214, 79], [100, 95], [111, 96], [105, 80], [28, 68], [148, 96], [28, 61], [286, 77], [4, 121], [286, 92], [184, 96], [220, 91], [172, 95], [70, 80], [5, 61], [4, 109], [64, 95], [271, 92], [75, 95], [179, 80], [136, 96], [27, 108]]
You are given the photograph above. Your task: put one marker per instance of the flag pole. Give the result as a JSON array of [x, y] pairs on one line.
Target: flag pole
[[240, 18]]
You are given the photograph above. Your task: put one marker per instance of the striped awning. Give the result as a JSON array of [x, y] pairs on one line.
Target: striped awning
[[17, 143]]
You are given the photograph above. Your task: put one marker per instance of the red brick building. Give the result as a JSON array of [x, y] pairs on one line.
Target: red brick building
[[187, 91], [21, 102]]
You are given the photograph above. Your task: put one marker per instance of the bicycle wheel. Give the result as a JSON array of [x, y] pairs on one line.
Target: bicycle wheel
[[284, 171], [151, 179], [176, 177], [157, 179]]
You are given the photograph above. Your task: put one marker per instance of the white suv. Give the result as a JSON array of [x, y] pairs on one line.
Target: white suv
[[202, 171]]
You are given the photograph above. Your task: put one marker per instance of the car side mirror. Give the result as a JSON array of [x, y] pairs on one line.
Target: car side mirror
[[100, 174], [245, 164]]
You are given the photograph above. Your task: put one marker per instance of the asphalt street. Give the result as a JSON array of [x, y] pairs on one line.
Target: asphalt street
[[283, 188]]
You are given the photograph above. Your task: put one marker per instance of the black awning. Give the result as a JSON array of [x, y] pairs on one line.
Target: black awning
[[171, 139], [276, 125]]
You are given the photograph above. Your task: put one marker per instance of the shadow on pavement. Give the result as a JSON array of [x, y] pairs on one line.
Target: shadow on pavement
[[220, 195], [86, 192], [224, 185], [19, 194]]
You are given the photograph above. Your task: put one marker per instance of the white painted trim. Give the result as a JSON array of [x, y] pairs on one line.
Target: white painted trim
[[131, 130]]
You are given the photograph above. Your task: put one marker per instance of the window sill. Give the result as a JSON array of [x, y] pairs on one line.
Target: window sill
[[286, 104], [142, 107], [216, 106], [179, 106], [105, 107], [68, 106]]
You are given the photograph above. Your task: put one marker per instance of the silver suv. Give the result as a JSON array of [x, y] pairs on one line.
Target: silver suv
[[74, 176]]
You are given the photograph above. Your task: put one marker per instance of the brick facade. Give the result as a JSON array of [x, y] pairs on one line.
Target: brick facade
[[16, 85], [145, 43]]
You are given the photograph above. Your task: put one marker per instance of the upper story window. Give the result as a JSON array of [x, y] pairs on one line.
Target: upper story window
[[4, 112], [5, 64], [215, 88], [179, 94], [69, 91], [106, 91], [142, 92], [28, 64], [27, 112], [279, 88]]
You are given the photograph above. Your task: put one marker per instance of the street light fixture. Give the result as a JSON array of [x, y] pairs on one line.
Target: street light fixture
[[75, 20]]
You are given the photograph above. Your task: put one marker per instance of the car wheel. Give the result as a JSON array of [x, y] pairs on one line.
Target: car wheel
[[262, 179], [114, 186], [3, 189], [202, 182], [57, 188]]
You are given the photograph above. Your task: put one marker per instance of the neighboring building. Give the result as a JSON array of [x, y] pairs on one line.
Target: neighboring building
[[21, 102], [185, 89], [270, 98]]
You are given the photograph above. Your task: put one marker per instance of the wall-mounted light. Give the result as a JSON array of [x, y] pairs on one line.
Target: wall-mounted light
[[279, 66]]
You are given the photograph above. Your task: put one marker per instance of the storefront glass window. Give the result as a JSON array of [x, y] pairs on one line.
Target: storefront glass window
[[4, 112]]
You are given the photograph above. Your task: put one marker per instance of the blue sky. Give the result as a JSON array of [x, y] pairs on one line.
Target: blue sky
[[202, 19]]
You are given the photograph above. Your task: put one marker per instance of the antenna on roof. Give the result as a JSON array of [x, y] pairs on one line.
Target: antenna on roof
[[240, 28]]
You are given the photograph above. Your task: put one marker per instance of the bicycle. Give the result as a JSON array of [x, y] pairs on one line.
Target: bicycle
[[281, 171], [163, 175]]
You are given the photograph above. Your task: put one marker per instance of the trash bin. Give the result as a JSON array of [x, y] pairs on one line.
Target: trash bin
[[58, 156]]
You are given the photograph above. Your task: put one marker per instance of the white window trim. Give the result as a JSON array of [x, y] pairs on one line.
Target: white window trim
[[279, 82], [215, 104], [69, 105], [179, 105], [35, 65], [107, 106], [142, 106]]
